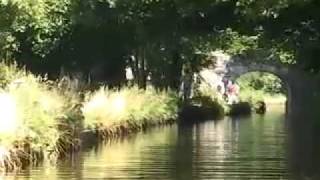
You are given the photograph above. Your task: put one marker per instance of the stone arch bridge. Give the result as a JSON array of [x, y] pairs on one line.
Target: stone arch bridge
[[297, 82], [303, 108]]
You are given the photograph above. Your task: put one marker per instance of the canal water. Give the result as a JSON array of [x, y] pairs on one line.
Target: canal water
[[241, 148]]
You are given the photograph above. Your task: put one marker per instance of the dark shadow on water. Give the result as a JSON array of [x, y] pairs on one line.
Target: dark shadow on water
[[304, 147]]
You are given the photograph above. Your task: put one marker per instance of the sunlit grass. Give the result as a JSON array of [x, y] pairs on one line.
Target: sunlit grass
[[109, 107], [37, 115], [32, 114], [210, 96], [253, 96], [10, 73], [8, 111]]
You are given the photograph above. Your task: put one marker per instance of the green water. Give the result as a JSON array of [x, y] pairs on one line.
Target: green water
[[245, 148]]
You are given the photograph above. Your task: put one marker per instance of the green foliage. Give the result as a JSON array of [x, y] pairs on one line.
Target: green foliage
[[261, 81], [292, 29], [156, 38], [205, 91], [234, 43], [257, 86], [36, 23], [209, 101]]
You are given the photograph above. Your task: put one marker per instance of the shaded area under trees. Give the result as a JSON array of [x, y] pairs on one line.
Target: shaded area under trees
[[160, 39]]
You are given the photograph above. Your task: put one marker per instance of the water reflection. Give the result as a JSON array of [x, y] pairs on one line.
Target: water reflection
[[247, 148], [241, 149]]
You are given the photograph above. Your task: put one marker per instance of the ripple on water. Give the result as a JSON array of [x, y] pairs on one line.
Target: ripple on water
[[250, 148]]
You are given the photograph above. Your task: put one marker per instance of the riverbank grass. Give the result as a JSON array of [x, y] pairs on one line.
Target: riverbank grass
[[43, 120], [206, 104], [254, 96], [127, 109], [32, 116]]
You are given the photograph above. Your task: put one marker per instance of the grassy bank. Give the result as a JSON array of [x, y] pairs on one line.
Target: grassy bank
[[206, 104], [37, 119], [257, 86], [116, 112], [41, 120], [249, 97], [253, 96]]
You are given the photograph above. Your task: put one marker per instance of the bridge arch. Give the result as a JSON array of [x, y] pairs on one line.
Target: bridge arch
[[225, 66], [236, 68], [302, 87], [232, 67], [303, 96]]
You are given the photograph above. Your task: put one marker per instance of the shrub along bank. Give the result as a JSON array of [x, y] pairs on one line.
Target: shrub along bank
[[208, 104], [201, 108], [41, 120], [257, 91]]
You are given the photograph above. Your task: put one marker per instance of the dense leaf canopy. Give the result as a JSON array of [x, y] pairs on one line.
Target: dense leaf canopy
[[158, 38]]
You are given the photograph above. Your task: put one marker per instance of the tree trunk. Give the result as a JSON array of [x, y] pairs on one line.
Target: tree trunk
[[138, 64], [176, 71]]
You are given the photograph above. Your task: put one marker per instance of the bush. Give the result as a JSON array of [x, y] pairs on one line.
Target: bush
[[257, 87], [201, 108]]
